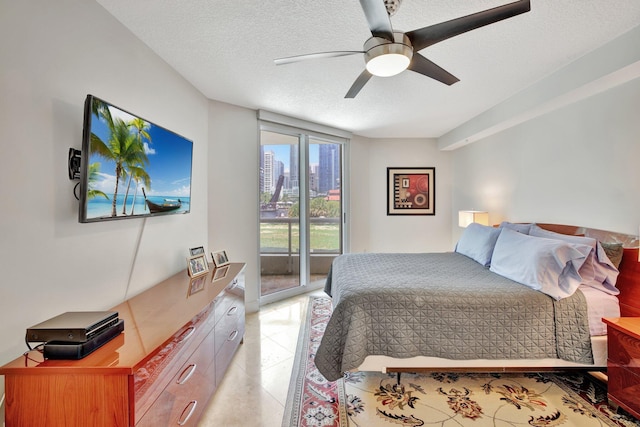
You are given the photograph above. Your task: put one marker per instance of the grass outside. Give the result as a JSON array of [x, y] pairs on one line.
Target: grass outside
[[275, 237]]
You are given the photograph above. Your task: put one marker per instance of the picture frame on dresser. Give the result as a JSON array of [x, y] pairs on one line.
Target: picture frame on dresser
[[199, 250], [197, 265], [219, 258]]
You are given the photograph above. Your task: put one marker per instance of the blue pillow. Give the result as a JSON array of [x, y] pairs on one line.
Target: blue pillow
[[546, 265], [598, 271], [520, 228], [477, 242]]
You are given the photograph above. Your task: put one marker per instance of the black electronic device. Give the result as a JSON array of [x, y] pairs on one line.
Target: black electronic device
[[74, 351], [72, 326]]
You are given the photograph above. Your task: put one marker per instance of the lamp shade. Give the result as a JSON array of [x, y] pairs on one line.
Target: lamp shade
[[467, 217]]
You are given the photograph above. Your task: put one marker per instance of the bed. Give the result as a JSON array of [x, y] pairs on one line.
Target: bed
[[459, 312]]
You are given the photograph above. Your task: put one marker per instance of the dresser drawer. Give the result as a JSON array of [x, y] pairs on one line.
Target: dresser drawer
[[229, 335], [230, 328], [226, 352], [155, 375], [623, 350], [185, 397], [232, 295]]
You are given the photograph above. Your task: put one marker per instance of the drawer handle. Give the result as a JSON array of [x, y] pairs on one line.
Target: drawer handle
[[189, 370], [232, 311], [188, 334], [232, 336], [192, 407]]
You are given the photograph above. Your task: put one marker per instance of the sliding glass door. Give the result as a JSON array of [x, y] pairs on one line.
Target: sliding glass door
[[325, 206], [279, 212], [301, 210]]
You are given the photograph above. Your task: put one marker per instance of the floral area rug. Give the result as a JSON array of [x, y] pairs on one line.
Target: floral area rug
[[370, 399]]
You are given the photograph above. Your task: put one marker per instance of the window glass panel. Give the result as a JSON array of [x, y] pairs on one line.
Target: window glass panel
[[279, 212]]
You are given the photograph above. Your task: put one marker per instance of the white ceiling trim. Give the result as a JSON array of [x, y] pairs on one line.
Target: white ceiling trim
[[612, 65], [268, 116], [610, 81]]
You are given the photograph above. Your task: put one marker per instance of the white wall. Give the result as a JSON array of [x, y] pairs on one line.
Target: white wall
[[53, 54], [372, 229], [576, 165], [234, 162], [563, 150]]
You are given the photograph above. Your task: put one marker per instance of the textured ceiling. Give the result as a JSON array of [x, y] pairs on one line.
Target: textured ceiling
[[226, 50]]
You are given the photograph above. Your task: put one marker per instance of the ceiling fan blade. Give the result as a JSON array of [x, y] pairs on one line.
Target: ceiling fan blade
[[378, 18], [319, 55], [362, 79], [433, 34], [422, 65]]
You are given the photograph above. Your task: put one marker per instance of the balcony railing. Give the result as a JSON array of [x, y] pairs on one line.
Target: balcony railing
[[280, 250], [282, 236]]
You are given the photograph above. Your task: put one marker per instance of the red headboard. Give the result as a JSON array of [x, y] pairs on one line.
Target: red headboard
[[629, 277]]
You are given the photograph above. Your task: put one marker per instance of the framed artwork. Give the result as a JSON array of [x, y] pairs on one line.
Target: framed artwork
[[197, 265], [411, 191], [220, 273], [220, 258], [196, 251], [196, 284]]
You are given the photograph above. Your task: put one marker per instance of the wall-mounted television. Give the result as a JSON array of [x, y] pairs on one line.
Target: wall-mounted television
[[131, 167]]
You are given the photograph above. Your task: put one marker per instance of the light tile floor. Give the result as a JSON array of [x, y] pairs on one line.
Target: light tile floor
[[254, 389]]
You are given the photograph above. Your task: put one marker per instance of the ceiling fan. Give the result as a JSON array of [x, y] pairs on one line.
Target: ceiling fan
[[390, 52]]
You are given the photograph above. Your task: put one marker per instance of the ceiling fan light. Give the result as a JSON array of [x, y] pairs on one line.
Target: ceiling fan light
[[388, 59], [387, 65]]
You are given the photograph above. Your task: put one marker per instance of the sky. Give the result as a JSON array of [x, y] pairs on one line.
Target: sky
[[169, 154]]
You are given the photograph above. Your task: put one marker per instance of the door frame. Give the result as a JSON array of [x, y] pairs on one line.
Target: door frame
[[304, 135]]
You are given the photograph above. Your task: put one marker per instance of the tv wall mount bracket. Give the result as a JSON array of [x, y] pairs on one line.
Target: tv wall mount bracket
[[74, 164]]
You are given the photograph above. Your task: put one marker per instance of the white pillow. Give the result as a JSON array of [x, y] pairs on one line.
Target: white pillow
[[477, 242], [546, 265], [598, 271]]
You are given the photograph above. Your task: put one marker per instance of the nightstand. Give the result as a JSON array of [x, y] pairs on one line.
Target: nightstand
[[623, 363]]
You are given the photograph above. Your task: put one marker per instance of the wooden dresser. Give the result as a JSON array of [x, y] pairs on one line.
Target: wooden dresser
[[179, 338], [623, 363]]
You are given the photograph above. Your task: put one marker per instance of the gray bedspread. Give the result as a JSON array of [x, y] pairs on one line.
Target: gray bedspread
[[443, 305]]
